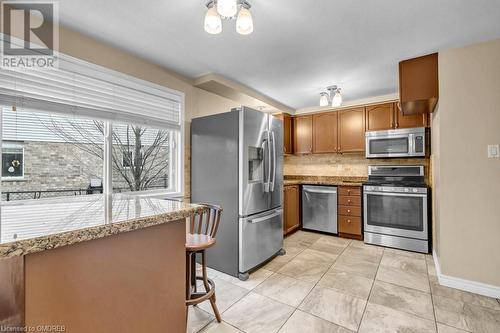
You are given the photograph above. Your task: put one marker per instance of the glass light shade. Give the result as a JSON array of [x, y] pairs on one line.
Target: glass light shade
[[337, 99], [227, 8], [213, 22], [244, 22], [323, 100]]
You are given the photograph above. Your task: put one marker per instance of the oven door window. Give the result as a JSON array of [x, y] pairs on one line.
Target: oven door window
[[390, 146], [395, 212]]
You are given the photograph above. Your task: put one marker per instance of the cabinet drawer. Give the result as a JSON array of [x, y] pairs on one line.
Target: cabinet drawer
[[350, 225], [350, 210], [349, 201], [350, 190]]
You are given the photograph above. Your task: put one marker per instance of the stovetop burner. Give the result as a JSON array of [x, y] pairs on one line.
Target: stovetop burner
[[396, 176]]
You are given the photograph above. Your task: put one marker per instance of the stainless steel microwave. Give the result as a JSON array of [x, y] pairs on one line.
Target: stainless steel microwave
[[406, 142]]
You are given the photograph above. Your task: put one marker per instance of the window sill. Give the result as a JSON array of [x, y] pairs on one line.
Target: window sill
[[13, 179], [155, 193]]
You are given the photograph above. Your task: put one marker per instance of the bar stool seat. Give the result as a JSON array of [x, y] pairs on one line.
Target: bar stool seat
[[196, 242], [201, 236]]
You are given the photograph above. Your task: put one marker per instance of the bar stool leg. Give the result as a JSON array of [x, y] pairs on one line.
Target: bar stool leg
[[193, 273], [207, 286], [188, 282]]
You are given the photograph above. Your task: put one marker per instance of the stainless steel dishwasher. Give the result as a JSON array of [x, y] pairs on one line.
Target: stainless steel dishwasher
[[319, 208]]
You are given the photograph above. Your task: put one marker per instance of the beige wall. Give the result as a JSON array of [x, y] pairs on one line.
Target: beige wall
[[197, 102], [436, 177], [468, 183]]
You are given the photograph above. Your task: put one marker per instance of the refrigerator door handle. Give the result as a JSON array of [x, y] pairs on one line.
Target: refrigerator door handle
[[274, 162], [266, 180], [268, 183], [267, 217]]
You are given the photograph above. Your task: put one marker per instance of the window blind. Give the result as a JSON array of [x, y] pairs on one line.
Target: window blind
[[86, 89]]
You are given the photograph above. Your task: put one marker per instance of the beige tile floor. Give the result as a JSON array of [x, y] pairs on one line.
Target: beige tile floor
[[329, 284]]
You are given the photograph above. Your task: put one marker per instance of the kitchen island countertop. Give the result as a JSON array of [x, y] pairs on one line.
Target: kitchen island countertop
[[31, 226]]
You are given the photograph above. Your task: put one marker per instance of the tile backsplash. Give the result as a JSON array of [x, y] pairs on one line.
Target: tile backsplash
[[341, 164]]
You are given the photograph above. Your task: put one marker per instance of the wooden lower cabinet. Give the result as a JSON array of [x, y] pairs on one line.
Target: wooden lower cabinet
[[350, 223], [291, 208]]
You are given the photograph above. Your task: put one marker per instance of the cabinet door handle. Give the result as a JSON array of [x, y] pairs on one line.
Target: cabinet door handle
[[348, 201], [348, 210], [348, 221]]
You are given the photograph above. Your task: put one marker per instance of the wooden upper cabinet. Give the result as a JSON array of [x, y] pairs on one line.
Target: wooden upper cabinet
[[351, 125], [287, 132], [380, 117], [409, 121], [419, 84], [302, 134], [389, 116], [325, 132]]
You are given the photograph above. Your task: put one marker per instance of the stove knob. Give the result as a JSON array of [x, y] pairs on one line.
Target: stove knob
[[407, 190], [415, 190]]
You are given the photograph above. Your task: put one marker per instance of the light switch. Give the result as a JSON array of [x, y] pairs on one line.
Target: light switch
[[493, 151]]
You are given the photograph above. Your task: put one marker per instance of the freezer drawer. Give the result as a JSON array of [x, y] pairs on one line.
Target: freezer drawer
[[319, 208], [260, 237]]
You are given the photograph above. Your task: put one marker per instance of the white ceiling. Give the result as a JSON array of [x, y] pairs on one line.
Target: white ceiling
[[298, 46]]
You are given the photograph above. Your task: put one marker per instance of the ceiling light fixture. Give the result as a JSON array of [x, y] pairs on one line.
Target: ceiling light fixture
[[227, 8], [244, 22], [333, 97], [213, 23], [324, 100], [238, 10]]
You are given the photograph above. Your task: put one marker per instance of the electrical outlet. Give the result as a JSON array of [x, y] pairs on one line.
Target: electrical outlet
[[493, 151]]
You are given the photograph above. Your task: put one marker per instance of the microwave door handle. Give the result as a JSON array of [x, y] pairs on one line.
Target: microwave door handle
[[411, 144], [274, 162]]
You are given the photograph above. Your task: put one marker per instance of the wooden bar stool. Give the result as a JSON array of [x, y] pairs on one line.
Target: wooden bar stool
[[201, 236]]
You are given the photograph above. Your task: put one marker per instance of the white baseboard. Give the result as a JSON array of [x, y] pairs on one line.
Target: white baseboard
[[463, 284]]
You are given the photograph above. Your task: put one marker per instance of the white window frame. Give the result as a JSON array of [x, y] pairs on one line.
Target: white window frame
[[14, 145], [176, 151], [176, 167]]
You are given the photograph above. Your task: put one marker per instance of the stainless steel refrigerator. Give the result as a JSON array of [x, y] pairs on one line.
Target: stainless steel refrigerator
[[237, 162]]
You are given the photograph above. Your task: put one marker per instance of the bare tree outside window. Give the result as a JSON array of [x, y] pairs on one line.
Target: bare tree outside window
[[146, 152], [140, 153]]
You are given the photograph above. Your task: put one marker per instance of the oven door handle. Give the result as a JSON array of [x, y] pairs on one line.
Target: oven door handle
[[392, 194]]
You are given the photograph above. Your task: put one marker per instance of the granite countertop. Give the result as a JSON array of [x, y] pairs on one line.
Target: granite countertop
[[325, 180], [29, 226]]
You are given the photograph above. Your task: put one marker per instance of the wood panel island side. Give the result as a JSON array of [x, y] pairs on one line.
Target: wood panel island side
[[65, 266]]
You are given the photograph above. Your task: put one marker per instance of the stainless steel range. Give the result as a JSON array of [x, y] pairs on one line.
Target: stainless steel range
[[396, 208]]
